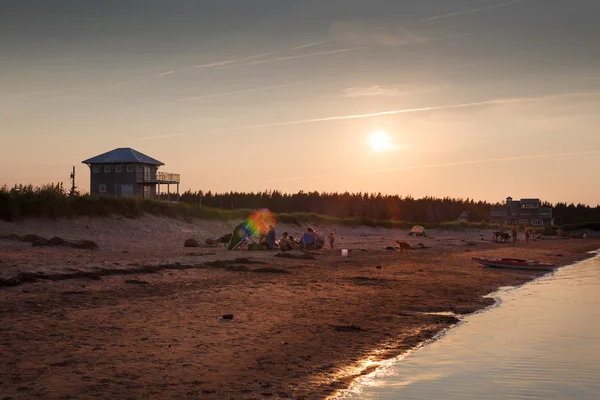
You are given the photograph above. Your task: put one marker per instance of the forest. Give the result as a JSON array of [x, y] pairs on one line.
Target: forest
[[53, 200]]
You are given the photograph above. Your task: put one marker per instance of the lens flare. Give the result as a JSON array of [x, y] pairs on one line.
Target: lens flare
[[258, 222]]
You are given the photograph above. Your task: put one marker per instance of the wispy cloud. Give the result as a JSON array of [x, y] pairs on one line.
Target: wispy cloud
[[279, 59], [448, 164], [393, 91], [472, 10], [164, 136], [371, 91], [258, 89], [410, 110], [360, 33]]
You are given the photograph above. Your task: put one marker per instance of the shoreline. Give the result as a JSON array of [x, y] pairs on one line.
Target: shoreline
[[386, 365], [301, 329]]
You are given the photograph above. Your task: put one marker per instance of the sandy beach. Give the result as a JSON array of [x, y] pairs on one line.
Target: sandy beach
[[142, 316]]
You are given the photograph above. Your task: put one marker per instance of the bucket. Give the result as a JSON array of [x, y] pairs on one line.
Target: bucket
[[344, 252]]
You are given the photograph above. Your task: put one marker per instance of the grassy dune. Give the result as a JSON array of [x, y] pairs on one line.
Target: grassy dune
[[52, 201]]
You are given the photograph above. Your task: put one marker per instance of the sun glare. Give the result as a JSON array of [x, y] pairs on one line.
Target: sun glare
[[380, 141]]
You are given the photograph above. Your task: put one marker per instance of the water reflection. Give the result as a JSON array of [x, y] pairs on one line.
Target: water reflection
[[543, 342]]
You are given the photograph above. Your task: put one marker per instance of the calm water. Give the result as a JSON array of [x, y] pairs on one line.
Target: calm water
[[542, 342]]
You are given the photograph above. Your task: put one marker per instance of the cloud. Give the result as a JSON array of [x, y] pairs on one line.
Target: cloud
[[471, 11], [410, 110], [279, 59], [394, 91], [361, 33], [371, 91], [165, 136], [258, 89]]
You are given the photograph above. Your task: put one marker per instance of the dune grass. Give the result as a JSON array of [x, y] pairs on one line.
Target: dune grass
[[52, 201]]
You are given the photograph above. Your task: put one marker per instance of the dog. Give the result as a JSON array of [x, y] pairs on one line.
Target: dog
[[500, 237], [403, 246]]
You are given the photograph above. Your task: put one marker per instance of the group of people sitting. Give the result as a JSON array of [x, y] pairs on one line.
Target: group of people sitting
[[242, 237], [310, 239]]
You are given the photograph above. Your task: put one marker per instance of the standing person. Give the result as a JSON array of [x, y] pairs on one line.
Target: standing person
[[513, 231], [331, 240], [271, 237], [527, 234]]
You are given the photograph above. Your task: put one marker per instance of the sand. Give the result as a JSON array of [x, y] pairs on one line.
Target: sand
[[145, 317]]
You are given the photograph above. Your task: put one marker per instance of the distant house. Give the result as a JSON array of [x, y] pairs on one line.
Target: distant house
[[524, 211], [127, 172]]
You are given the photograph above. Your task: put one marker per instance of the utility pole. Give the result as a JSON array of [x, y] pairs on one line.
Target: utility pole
[[72, 194]]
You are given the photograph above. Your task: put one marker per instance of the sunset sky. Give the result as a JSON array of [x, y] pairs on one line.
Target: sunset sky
[[467, 98]]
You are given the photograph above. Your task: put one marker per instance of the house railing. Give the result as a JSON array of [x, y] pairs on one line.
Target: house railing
[[167, 177], [161, 177]]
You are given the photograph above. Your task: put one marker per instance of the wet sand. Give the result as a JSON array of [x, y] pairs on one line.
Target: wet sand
[[142, 316]]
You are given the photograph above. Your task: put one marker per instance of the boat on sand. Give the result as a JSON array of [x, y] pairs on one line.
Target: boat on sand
[[514, 263]]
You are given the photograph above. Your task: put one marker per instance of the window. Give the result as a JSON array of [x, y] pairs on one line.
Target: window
[[118, 168], [537, 222], [102, 188], [96, 169], [127, 190], [130, 168], [523, 221], [107, 168]]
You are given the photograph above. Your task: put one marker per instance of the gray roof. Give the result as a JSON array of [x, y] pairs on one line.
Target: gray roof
[[122, 155]]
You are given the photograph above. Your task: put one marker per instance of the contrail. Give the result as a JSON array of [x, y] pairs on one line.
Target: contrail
[[310, 44], [409, 110], [441, 165], [258, 89], [221, 63], [270, 60], [472, 10], [201, 66]]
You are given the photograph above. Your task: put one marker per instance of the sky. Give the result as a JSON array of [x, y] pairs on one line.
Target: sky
[[480, 99]]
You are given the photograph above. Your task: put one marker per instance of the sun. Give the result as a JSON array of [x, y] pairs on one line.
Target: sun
[[380, 141]]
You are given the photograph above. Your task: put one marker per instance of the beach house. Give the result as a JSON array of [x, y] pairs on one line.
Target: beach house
[[524, 211], [127, 172]]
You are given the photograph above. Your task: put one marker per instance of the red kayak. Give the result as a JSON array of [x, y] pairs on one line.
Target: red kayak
[[514, 263]]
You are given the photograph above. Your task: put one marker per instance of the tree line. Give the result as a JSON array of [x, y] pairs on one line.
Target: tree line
[[375, 206], [54, 200]]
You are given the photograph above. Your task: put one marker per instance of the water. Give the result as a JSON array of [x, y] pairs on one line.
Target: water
[[542, 342]]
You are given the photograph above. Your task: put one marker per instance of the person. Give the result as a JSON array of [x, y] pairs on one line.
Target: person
[[271, 237], [287, 242], [331, 240], [559, 232], [513, 231], [527, 234], [262, 229], [238, 236], [309, 239], [293, 242]]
